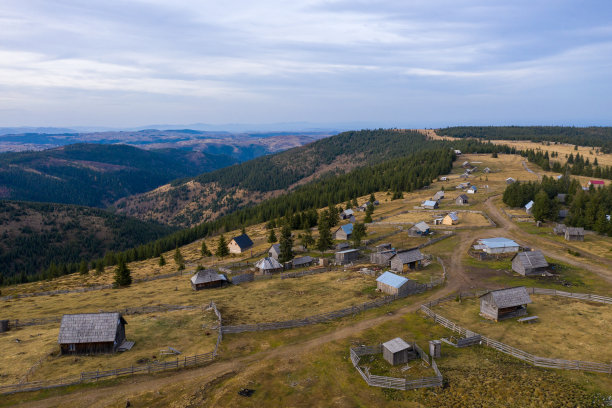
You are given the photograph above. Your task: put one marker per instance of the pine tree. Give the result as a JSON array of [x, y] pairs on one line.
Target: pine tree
[[307, 239], [162, 260], [99, 267], [178, 257], [372, 198], [83, 268], [272, 237], [325, 237], [359, 232], [286, 245], [334, 215], [204, 250], [123, 276], [222, 249], [541, 206]]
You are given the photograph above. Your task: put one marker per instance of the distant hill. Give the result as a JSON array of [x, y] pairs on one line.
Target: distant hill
[[97, 175], [32, 235], [190, 201]]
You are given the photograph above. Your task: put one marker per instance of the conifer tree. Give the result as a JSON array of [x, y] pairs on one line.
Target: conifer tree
[[204, 250], [123, 276], [99, 267], [307, 239], [178, 257], [286, 245], [222, 249], [83, 268], [325, 237], [162, 260], [359, 232], [272, 237], [372, 198]]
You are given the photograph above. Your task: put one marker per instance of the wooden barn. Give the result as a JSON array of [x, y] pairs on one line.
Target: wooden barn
[[461, 200], [504, 303], [497, 245], [397, 351], [574, 234], [382, 258], [393, 284], [91, 333], [403, 261], [450, 219], [438, 196], [274, 251], [302, 261], [529, 263], [430, 204], [347, 256], [346, 214], [240, 244], [529, 207], [419, 229], [559, 229], [206, 279], [344, 232], [268, 265]]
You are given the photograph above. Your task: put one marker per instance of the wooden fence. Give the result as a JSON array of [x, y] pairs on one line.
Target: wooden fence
[[518, 353], [392, 382], [303, 273]]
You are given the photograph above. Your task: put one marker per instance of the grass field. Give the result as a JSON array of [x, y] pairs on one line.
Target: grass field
[[567, 328]]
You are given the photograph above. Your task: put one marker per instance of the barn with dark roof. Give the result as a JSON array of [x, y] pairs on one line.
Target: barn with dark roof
[[206, 279], [240, 244], [504, 303], [91, 333], [529, 263], [402, 261]]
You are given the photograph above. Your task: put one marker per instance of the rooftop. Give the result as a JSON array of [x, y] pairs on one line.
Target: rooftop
[[89, 328], [510, 297], [207, 275], [421, 226], [397, 344], [243, 241], [532, 259], [348, 228], [497, 242], [410, 255], [429, 203], [268, 263], [391, 279]]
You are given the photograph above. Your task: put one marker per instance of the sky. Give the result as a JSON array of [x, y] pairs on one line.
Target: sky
[[405, 63]]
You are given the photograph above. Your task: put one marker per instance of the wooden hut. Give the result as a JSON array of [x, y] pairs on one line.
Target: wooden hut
[[206, 279], [302, 261], [461, 200], [497, 245], [274, 251], [382, 258], [430, 204], [347, 214], [89, 333], [268, 265], [239, 244], [559, 229], [419, 229], [406, 260], [393, 284], [529, 263], [504, 303], [574, 234], [384, 247], [450, 219], [347, 256], [344, 232], [397, 351], [438, 196]]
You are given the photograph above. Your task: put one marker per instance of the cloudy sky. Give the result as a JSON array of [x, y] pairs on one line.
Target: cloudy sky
[[406, 63]]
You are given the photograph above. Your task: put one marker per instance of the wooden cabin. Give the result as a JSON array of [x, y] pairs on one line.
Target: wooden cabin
[[91, 333], [344, 232], [450, 219], [268, 265], [529, 263], [240, 244], [430, 204], [403, 261], [461, 200], [274, 251], [382, 258], [504, 303], [393, 284], [302, 262], [497, 245], [419, 229], [574, 234], [347, 256], [559, 229], [397, 351], [207, 279], [347, 214]]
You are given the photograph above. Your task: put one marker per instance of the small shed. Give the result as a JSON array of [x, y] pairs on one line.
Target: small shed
[[347, 256], [510, 180], [461, 200], [393, 284], [574, 234], [438, 196], [383, 247], [497, 245], [91, 333], [403, 261], [504, 303], [419, 229], [466, 164], [529, 263], [487, 170], [529, 207], [382, 258], [430, 204], [274, 251], [561, 198], [268, 265], [450, 219], [206, 279], [472, 190], [559, 229], [347, 214], [344, 232], [240, 244], [397, 351], [302, 261]]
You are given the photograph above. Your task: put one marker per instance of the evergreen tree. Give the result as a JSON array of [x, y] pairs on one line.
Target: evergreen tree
[[334, 215], [325, 238], [123, 276], [162, 260], [222, 249], [243, 230], [541, 206], [494, 155], [286, 245], [307, 239], [178, 257], [372, 198], [204, 250], [99, 267], [355, 204], [272, 237], [359, 232], [83, 268]]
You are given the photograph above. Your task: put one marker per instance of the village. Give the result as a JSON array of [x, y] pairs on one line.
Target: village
[[444, 275]]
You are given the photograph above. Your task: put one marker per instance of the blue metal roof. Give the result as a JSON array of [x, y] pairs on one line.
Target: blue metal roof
[[529, 204], [348, 228], [498, 242], [430, 203], [391, 279]]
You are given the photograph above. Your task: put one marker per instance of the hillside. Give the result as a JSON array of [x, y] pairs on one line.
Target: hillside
[[32, 235], [208, 196], [97, 175]]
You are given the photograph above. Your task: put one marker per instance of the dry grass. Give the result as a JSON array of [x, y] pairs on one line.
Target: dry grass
[[567, 328]]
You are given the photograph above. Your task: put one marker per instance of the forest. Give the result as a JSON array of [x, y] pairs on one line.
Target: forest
[[575, 165]]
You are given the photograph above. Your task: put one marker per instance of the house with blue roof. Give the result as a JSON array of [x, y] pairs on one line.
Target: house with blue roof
[[529, 207], [240, 244], [344, 232], [497, 245], [430, 204], [393, 284]]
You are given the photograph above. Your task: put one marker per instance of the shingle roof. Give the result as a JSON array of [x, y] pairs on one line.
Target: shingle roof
[[410, 255], [532, 259], [510, 297], [421, 226], [243, 241], [89, 328], [349, 212], [397, 344], [498, 242], [207, 275], [268, 263], [391, 279], [302, 260], [438, 195]]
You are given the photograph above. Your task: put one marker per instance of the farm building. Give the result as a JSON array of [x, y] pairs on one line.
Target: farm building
[[450, 219], [472, 190], [405, 260], [382, 258], [344, 232], [561, 198], [419, 229], [347, 256], [595, 183], [461, 200], [497, 245], [240, 244], [342, 246], [208, 278], [444, 178], [302, 261], [563, 213], [504, 303], [397, 351], [457, 152], [464, 175], [574, 234], [430, 204], [529, 207], [268, 265], [529, 263], [393, 284], [510, 180], [90, 333], [383, 247], [347, 214], [274, 251], [363, 206], [438, 196], [466, 164], [559, 229]]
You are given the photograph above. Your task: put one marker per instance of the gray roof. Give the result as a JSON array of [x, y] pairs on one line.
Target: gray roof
[[421, 226], [207, 275], [532, 259], [396, 345], [574, 231], [89, 328], [268, 264], [559, 228], [463, 197], [302, 260], [275, 248], [438, 195], [410, 255], [510, 297]]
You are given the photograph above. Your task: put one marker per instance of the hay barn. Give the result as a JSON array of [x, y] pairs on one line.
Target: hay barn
[[268, 265], [344, 232], [419, 229], [450, 219], [347, 256], [240, 244], [206, 279], [461, 200], [91, 333], [497, 245], [504, 303], [403, 261], [393, 284], [574, 234], [530, 263]]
